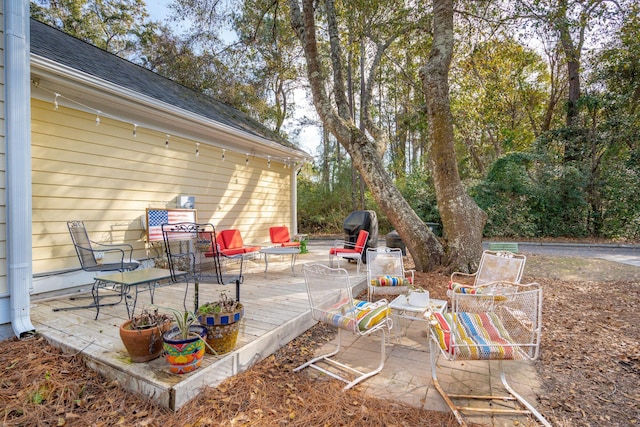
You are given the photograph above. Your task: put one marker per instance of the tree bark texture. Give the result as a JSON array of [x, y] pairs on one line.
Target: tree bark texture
[[424, 246], [463, 221]]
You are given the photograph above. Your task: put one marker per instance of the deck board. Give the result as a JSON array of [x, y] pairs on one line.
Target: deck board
[[276, 311]]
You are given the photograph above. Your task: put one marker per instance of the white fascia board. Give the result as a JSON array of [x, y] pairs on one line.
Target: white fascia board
[[142, 108]]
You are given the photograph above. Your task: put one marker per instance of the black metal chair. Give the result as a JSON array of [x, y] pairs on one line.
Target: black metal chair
[[122, 253], [87, 253], [194, 255]]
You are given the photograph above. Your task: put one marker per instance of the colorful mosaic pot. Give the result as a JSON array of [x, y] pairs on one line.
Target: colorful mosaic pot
[[222, 329], [184, 355]]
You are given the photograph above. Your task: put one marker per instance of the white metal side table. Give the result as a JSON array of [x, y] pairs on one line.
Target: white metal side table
[[402, 310]]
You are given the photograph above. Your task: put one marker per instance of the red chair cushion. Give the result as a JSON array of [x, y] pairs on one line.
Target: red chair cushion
[[279, 234], [232, 239], [334, 251]]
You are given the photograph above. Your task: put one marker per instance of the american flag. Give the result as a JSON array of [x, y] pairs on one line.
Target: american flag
[[157, 217]]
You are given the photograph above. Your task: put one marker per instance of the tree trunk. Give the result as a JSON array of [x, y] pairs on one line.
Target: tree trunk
[[463, 221], [423, 245]]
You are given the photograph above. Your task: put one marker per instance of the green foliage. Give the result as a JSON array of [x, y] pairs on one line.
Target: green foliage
[[418, 190]]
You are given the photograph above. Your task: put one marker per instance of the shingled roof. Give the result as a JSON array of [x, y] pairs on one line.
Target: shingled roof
[[55, 45]]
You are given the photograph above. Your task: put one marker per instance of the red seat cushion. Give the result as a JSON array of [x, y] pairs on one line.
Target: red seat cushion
[[232, 239], [334, 251], [233, 251], [280, 235]]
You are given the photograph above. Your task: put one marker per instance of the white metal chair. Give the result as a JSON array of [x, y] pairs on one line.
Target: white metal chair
[[385, 272], [349, 250], [495, 266], [500, 321], [331, 299]]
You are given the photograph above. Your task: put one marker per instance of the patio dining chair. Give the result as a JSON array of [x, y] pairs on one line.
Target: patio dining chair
[[500, 322], [495, 266], [194, 256], [119, 258], [280, 236], [331, 300], [385, 272], [349, 250]]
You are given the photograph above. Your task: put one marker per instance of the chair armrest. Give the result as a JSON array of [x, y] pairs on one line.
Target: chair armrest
[[114, 247], [456, 274], [111, 248], [343, 243], [410, 273]]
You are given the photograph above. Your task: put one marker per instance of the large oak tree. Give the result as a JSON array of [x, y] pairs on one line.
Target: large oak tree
[[463, 221]]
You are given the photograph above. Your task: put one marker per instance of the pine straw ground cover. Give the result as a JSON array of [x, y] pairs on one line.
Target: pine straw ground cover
[[589, 365]]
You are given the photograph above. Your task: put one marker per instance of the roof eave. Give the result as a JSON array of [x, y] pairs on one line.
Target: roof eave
[[157, 115]]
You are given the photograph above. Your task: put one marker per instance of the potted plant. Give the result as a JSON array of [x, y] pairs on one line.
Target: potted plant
[[142, 335], [418, 297], [222, 320], [184, 345]]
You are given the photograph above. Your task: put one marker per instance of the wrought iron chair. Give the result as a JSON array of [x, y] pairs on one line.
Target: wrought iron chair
[[501, 321], [385, 272], [87, 253], [86, 250], [495, 266], [349, 250], [194, 255], [331, 299]]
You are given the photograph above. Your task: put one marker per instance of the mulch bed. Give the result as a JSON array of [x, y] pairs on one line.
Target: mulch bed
[[589, 365]]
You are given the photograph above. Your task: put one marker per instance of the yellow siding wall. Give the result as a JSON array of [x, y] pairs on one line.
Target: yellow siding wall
[[3, 189], [105, 176]]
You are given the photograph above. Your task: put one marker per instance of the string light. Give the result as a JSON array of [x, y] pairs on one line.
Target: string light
[[56, 103]]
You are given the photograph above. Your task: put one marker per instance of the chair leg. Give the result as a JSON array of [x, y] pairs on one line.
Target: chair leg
[[520, 399], [359, 375], [433, 350], [456, 410]]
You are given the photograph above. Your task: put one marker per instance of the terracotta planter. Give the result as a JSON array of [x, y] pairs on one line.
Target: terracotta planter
[[143, 344], [222, 329], [184, 355]]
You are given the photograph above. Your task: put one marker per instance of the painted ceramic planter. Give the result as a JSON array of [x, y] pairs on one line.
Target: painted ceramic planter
[[419, 299], [143, 344], [184, 356], [222, 329]]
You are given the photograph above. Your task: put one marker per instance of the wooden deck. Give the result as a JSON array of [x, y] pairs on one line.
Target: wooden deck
[[276, 311]]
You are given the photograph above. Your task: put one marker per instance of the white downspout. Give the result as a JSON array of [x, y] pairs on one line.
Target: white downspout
[[294, 198], [18, 166]]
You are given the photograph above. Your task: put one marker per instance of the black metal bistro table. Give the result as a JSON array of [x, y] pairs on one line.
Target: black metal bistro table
[[146, 279]]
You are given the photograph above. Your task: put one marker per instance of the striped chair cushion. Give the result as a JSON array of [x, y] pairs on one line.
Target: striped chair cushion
[[367, 314], [474, 336], [462, 289], [391, 281]]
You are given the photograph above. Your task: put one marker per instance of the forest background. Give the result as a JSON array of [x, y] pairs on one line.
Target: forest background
[[544, 99]]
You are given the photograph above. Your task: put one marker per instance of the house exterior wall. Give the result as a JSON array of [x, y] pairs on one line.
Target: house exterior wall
[[103, 175], [4, 291]]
